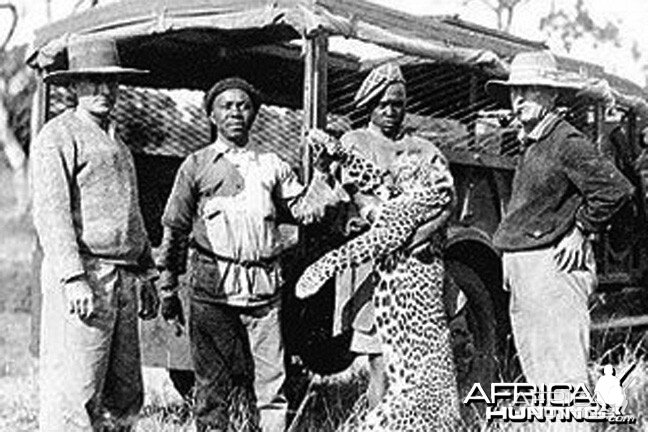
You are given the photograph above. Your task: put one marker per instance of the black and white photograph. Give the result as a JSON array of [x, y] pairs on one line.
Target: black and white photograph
[[323, 215]]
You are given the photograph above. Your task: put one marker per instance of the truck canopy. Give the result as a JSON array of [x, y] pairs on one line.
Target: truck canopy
[[175, 40]]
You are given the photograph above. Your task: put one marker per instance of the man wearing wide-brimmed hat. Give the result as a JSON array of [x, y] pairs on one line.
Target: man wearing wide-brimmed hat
[[562, 192], [97, 258]]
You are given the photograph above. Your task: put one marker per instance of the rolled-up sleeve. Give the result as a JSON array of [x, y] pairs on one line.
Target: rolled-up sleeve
[[288, 185], [52, 175], [291, 194], [602, 185]]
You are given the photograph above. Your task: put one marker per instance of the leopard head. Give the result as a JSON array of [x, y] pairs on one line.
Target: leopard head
[[415, 173]]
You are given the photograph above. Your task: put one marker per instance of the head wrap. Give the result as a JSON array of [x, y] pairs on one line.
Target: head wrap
[[377, 82], [231, 83]]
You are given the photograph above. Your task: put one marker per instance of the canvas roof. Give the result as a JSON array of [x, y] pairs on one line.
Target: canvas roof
[[175, 39]]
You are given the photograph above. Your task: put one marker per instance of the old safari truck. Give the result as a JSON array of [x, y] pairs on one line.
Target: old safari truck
[[308, 57]]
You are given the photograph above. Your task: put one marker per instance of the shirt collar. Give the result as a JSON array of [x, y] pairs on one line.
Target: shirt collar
[[544, 125], [219, 147], [110, 127]]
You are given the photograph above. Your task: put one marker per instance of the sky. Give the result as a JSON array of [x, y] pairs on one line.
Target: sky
[[631, 16]]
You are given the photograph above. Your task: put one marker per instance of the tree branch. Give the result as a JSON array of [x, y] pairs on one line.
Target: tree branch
[[503, 9], [488, 3], [14, 22], [78, 4]]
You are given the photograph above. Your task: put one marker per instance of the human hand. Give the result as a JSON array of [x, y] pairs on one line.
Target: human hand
[[321, 142], [307, 214], [172, 312], [370, 212], [355, 225], [149, 301], [79, 297], [570, 251]]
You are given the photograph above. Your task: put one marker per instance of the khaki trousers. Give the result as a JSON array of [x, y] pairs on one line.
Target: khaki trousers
[[550, 319], [90, 370]]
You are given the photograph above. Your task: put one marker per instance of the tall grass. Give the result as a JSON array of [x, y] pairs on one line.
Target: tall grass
[[317, 403]]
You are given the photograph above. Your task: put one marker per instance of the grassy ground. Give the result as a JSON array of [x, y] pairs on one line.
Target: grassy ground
[[17, 367], [329, 401]]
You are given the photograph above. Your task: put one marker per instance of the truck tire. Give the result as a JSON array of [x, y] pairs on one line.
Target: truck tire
[[473, 327], [308, 327], [474, 330]]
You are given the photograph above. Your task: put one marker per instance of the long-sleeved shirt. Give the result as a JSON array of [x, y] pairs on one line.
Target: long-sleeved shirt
[[560, 179], [85, 201], [226, 200]]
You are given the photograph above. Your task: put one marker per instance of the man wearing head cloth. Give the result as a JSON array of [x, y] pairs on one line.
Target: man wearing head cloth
[[96, 254], [563, 191], [223, 208], [384, 142]]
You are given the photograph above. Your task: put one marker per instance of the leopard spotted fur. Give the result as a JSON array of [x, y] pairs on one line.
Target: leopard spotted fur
[[362, 173], [409, 313]]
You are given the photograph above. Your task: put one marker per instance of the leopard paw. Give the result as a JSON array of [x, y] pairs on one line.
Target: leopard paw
[[307, 287]]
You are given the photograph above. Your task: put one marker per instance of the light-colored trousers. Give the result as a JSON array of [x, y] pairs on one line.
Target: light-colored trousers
[[550, 319], [90, 370]]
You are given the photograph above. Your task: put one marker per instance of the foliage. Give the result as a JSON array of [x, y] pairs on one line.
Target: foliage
[[577, 25], [504, 10], [14, 22], [17, 87]]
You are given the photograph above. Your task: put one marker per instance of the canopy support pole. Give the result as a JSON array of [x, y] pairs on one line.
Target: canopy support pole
[[315, 93]]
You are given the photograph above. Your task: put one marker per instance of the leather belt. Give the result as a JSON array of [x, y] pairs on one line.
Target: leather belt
[[265, 263]]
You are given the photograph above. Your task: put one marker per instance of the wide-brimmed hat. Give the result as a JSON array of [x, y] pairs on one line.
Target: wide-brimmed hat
[[377, 82], [92, 58], [535, 68]]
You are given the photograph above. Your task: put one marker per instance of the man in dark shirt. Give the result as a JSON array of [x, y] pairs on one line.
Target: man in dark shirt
[[563, 191], [224, 207]]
